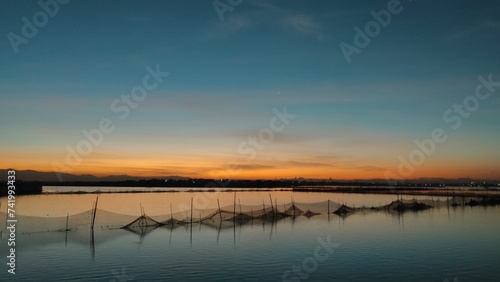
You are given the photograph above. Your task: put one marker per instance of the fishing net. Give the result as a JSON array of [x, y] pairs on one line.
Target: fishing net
[[40, 224], [79, 224]]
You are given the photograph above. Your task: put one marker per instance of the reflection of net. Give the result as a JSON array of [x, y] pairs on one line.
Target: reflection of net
[[224, 217]]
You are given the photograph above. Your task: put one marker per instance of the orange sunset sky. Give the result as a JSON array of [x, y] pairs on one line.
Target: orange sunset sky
[[267, 91]]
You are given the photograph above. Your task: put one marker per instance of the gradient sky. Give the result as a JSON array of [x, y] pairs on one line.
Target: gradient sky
[[353, 120]]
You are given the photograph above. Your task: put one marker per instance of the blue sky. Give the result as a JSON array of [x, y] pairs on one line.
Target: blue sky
[[226, 77]]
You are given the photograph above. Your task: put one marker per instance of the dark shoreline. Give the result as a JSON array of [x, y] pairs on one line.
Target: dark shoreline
[[424, 191], [153, 190], [22, 188], [204, 185]]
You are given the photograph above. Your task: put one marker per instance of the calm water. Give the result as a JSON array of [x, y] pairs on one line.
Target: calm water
[[431, 245]]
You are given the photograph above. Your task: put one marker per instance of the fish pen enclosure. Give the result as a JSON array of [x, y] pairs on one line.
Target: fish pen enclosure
[[222, 216]]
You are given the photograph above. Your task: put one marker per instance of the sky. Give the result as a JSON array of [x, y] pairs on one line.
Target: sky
[[251, 89]]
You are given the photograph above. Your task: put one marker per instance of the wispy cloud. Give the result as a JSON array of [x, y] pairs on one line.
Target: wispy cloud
[[370, 168], [309, 164], [303, 24], [478, 28], [254, 167], [267, 15]]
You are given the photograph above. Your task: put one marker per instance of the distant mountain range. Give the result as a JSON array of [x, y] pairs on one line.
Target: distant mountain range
[[33, 175]]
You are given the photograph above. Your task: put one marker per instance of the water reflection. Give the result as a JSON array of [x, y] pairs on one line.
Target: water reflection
[[446, 240]]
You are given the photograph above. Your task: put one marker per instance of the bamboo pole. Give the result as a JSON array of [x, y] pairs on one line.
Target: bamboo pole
[[93, 215], [240, 205], [272, 205], [276, 206], [220, 214], [191, 212], [171, 215], [263, 208], [234, 207]]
